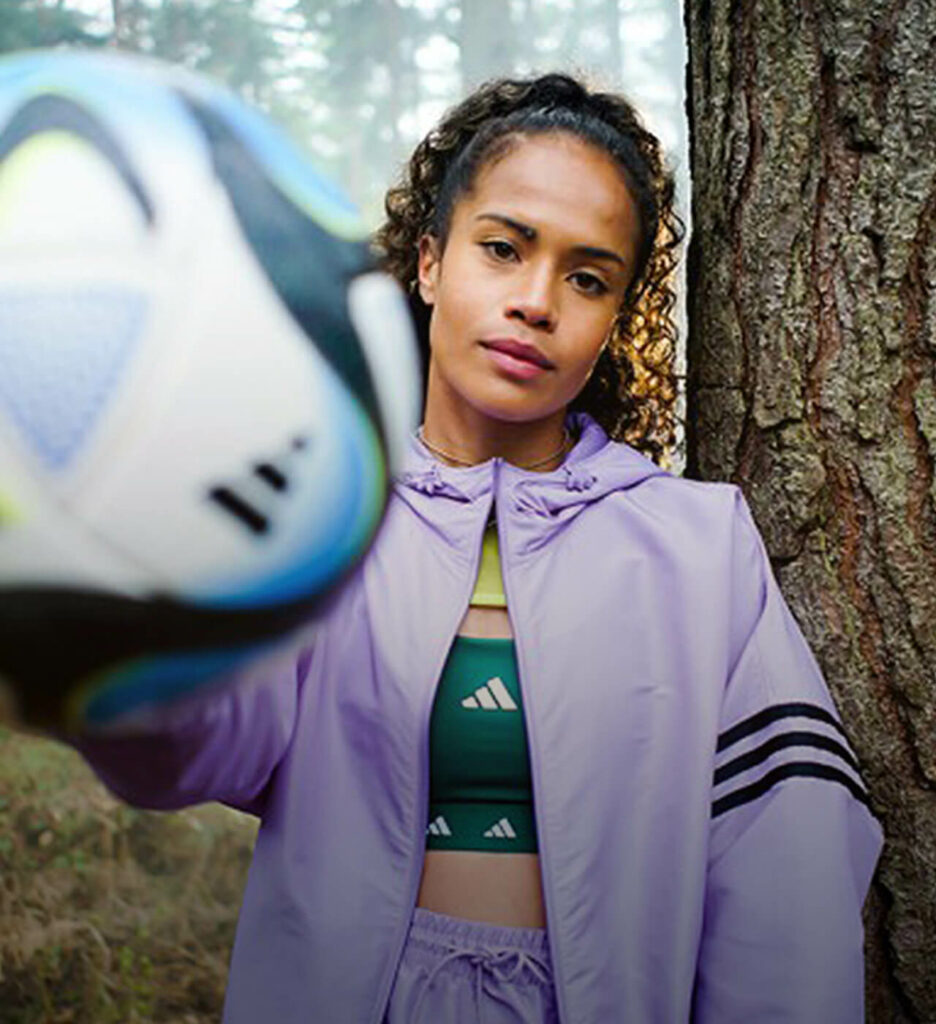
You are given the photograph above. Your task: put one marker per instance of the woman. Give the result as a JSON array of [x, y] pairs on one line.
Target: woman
[[608, 786]]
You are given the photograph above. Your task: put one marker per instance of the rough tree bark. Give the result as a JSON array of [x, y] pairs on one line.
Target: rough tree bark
[[811, 376]]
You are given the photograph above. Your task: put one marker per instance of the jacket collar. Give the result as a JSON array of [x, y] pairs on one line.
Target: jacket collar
[[594, 467]]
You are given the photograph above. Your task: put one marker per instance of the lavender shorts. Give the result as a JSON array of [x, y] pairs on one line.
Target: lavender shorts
[[455, 971]]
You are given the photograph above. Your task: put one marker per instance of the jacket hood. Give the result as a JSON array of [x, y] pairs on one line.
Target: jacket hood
[[594, 467]]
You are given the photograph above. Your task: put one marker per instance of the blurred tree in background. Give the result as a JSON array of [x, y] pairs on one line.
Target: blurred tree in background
[[30, 23], [358, 82]]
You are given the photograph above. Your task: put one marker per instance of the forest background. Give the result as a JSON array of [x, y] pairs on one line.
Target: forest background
[[810, 382]]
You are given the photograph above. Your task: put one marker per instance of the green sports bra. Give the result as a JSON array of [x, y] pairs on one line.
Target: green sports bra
[[480, 789]]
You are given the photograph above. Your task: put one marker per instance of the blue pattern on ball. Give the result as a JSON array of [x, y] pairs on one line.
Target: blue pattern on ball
[[62, 357]]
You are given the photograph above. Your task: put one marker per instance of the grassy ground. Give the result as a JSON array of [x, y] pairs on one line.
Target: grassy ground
[[110, 915]]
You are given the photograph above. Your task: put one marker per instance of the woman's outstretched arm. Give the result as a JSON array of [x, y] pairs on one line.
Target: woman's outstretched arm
[[223, 744]]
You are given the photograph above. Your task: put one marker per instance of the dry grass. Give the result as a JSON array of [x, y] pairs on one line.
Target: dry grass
[[110, 915]]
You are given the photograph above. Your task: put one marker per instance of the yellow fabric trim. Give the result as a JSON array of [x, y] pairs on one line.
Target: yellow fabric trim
[[489, 589]]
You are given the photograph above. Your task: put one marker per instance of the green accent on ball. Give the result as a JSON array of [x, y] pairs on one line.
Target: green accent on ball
[[30, 188], [9, 512], [18, 169]]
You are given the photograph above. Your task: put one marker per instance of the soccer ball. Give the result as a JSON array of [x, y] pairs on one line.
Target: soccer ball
[[204, 385]]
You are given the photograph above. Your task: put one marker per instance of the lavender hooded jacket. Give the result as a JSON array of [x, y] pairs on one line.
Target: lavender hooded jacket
[[704, 837]]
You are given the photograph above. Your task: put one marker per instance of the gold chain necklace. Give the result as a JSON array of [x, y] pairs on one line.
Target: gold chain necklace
[[564, 447]]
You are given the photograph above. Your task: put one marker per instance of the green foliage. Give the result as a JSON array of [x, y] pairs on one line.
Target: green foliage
[[364, 78], [227, 39], [25, 24]]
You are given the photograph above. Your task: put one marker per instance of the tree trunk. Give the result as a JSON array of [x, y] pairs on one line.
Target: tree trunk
[[126, 34], [811, 382], [118, 10]]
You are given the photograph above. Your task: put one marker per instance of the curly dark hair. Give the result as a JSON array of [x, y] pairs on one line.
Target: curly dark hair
[[632, 391]]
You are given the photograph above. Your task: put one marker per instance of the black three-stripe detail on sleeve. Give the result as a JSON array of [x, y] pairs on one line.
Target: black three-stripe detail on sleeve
[[805, 769], [784, 740], [775, 743], [772, 714]]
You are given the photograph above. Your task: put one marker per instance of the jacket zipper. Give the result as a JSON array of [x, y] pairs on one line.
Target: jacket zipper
[[545, 872], [423, 802]]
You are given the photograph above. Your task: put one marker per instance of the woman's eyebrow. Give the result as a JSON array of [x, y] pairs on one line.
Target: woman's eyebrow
[[529, 233], [522, 229]]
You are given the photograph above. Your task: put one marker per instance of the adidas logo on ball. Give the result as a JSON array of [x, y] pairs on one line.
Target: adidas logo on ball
[[251, 498]]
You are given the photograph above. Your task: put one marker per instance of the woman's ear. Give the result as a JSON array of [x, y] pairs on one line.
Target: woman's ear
[[428, 267]]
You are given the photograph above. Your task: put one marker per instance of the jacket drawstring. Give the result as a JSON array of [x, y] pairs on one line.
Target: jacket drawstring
[[578, 477], [496, 962], [427, 481]]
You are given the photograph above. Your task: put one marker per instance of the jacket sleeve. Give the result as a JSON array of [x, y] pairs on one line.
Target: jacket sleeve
[[792, 844], [223, 744]]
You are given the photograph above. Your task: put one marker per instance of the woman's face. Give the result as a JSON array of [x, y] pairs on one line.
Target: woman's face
[[538, 259]]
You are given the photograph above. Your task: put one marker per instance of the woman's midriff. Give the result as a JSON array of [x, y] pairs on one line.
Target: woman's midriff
[[497, 888]]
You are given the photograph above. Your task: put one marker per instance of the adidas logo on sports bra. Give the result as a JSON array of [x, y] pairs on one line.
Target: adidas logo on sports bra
[[493, 696], [501, 830], [439, 827]]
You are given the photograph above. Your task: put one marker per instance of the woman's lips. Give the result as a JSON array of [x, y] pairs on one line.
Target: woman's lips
[[516, 358]]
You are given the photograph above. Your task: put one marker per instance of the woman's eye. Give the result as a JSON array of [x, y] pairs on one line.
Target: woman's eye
[[499, 249], [589, 284]]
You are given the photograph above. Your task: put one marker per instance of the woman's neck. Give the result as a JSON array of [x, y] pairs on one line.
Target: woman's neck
[[465, 438]]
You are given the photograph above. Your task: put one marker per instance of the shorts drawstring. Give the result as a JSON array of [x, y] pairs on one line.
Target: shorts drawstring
[[495, 961]]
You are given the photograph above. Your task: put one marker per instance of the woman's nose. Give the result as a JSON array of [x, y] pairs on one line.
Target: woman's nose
[[533, 301]]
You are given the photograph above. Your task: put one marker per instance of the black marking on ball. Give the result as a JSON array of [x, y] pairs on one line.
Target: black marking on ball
[[231, 502], [268, 471], [272, 476]]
